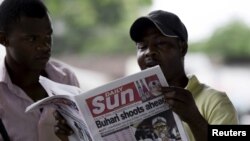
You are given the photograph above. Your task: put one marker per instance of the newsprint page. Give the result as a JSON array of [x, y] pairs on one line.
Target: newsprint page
[[127, 109]]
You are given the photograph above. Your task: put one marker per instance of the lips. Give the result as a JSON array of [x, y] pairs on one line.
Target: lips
[[43, 57], [149, 62]]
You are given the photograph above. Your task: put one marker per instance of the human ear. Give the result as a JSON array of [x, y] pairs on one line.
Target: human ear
[[3, 39]]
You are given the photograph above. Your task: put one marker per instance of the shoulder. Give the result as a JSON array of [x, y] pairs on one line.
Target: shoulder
[[201, 91], [215, 105], [218, 107], [211, 97], [214, 96]]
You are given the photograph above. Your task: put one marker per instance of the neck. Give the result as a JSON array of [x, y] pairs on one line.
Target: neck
[[180, 81], [23, 77]]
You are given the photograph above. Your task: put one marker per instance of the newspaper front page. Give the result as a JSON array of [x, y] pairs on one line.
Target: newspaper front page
[[127, 109]]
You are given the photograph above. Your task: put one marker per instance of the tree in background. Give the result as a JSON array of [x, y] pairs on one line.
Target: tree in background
[[83, 26], [231, 42]]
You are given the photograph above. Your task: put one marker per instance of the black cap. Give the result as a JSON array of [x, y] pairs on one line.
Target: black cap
[[168, 24]]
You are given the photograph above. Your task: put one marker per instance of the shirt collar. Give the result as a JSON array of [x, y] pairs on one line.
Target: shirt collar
[[193, 85], [54, 72], [4, 76], [51, 68]]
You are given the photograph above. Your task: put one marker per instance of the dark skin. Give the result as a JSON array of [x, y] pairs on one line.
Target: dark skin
[[168, 52], [28, 49], [62, 130]]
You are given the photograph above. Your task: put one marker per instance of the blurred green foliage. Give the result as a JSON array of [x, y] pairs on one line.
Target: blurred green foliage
[[230, 41], [93, 26], [102, 26]]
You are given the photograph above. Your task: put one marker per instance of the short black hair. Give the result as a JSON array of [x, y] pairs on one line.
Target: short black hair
[[12, 10]]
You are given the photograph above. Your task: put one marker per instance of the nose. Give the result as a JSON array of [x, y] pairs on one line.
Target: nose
[[150, 51], [44, 47]]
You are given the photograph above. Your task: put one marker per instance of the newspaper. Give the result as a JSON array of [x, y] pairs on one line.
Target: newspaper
[[127, 109]]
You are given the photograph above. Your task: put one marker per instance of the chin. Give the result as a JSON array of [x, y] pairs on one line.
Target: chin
[[39, 67]]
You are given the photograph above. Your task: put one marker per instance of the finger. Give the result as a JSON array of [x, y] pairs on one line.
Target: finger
[[62, 137], [64, 130], [166, 89], [63, 125], [172, 100], [57, 115], [176, 93], [61, 121], [170, 103], [174, 97], [59, 118], [168, 92]]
